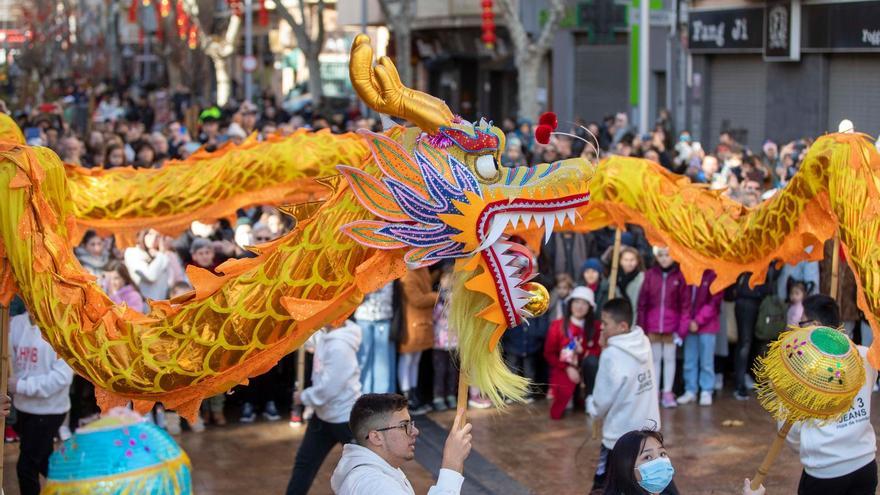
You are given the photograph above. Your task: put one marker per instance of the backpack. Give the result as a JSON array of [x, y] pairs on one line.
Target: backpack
[[772, 315]]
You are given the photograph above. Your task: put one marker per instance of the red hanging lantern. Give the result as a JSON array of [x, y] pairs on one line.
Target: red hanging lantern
[[263, 14], [488, 26], [193, 37], [165, 8], [133, 11], [182, 21], [235, 6]]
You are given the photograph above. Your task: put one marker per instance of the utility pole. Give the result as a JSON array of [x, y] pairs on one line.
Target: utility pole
[[248, 48], [644, 53]]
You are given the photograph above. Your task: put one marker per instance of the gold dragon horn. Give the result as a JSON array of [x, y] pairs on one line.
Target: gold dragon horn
[[380, 88]]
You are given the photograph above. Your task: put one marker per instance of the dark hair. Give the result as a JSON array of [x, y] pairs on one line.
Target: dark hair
[[822, 309], [589, 327], [110, 149], [622, 463], [619, 309], [371, 411], [88, 236], [122, 270]]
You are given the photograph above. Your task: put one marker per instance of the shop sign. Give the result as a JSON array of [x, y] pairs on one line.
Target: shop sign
[[728, 30]]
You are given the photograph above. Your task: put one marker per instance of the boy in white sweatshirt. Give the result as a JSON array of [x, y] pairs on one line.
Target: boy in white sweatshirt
[[838, 457], [335, 387], [40, 385], [625, 394], [386, 439]]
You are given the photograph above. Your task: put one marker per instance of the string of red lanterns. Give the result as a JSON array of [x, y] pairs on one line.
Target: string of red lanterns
[[488, 26]]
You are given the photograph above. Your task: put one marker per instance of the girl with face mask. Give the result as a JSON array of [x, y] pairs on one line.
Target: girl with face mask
[[639, 465]]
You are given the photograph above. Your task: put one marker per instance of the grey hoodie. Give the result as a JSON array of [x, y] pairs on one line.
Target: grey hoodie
[[362, 472], [335, 374], [625, 394]]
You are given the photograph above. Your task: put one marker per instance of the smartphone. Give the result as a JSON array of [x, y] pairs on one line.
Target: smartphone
[[183, 131], [31, 133]]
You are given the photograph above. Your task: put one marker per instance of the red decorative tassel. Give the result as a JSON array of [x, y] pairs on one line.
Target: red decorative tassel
[[263, 14], [542, 133], [549, 119], [133, 11]]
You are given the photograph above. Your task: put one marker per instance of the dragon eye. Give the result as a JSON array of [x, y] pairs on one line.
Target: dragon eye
[[487, 168]]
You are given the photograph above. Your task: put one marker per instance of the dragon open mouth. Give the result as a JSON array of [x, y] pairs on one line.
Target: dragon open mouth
[[511, 264]]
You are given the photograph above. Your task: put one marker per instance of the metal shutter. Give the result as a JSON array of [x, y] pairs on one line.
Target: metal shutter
[[854, 92], [601, 75], [737, 98]]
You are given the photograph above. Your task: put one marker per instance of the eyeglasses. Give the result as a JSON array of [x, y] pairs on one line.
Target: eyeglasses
[[408, 426], [264, 239], [806, 323]]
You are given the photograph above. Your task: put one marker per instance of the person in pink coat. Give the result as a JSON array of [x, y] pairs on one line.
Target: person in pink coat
[[699, 344], [664, 302]]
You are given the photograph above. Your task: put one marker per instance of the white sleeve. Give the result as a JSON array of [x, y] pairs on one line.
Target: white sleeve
[[150, 271], [448, 483], [793, 439], [367, 484], [338, 365], [57, 379], [606, 388]]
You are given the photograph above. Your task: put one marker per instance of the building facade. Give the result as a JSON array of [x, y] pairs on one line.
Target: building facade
[[782, 70]]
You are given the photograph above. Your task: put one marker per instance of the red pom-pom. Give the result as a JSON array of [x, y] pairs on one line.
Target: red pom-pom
[[549, 119], [486, 4], [542, 133]]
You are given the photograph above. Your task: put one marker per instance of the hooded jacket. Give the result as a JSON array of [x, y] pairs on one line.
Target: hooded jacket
[[705, 307], [363, 472], [841, 446], [625, 394], [664, 301], [335, 374], [42, 379]]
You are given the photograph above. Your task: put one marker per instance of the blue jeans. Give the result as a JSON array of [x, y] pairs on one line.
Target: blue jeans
[[699, 361], [377, 357]]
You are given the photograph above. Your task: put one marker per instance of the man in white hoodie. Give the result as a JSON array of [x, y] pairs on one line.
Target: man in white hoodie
[[839, 457], [625, 394], [335, 387], [39, 385], [386, 439]]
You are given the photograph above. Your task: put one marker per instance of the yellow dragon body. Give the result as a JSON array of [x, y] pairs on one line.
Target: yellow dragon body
[[406, 197]]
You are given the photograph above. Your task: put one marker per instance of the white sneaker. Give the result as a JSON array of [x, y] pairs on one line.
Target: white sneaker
[[750, 382], [198, 425], [705, 398], [64, 433], [172, 423], [686, 398]]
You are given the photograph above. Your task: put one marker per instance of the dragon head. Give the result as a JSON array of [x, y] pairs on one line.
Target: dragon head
[[441, 194]]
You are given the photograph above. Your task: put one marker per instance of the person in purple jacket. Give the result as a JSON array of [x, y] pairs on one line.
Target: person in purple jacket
[[122, 289], [699, 344], [664, 302]]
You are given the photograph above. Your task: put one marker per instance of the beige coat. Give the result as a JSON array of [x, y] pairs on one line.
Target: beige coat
[[418, 301]]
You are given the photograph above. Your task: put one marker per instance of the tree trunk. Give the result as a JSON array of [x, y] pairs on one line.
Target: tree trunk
[[316, 89], [403, 45], [527, 79], [221, 75]]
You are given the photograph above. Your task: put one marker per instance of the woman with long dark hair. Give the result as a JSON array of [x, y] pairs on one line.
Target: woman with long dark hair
[[639, 465]]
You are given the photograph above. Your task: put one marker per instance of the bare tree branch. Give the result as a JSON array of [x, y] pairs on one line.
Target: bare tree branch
[[557, 9]]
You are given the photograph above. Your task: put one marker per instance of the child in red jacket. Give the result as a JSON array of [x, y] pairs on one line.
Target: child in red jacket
[[699, 345], [664, 301], [564, 348]]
